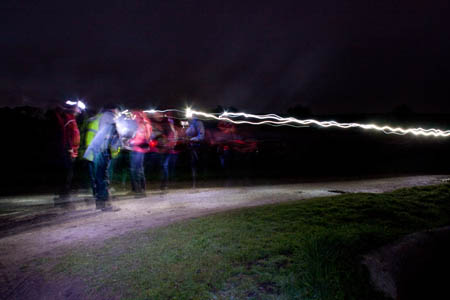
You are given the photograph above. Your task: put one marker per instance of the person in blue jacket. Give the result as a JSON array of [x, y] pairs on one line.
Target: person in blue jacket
[[99, 152], [195, 134]]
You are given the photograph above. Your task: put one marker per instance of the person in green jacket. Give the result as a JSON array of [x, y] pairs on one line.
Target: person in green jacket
[[91, 131]]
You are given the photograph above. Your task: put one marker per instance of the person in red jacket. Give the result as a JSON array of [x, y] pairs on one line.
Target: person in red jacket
[[169, 151], [139, 145], [69, 143]]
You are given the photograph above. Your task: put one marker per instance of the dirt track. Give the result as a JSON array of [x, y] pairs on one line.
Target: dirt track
[[52, 229]]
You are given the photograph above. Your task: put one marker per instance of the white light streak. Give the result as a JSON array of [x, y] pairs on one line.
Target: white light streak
[[273, 119], [153, 111]]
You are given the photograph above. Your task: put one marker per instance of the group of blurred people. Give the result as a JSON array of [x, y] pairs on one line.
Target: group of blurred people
[[113, 132]]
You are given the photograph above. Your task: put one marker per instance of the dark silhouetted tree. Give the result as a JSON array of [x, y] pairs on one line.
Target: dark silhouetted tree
[[220, 109], [299, 111], [402, 110]]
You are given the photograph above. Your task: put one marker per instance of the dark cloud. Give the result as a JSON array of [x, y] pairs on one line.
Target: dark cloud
[[335, 56]]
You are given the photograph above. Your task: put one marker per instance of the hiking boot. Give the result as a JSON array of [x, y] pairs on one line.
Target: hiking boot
[[99, 204], [110, 208]]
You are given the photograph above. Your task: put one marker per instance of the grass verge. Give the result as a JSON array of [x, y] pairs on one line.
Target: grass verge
[[309, 249]]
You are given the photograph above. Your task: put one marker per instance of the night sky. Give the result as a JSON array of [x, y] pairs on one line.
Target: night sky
[[333, 56]]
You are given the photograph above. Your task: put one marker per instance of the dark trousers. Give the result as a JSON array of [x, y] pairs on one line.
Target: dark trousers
[[168, 163], [194, 150], [101, 164], [91, 168], [67, 166], [137, 171], [226, 159]]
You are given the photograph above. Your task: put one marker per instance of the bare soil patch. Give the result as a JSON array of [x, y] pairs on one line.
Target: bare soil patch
[[414, 267]]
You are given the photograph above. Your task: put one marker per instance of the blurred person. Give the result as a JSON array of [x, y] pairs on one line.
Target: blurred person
[[157, 143], [91, 130], [169, 152], [100, 153], [223, 138], [69, 142], [232, 149], [112, 168], [195, 134], [119, 169], [139, 145]]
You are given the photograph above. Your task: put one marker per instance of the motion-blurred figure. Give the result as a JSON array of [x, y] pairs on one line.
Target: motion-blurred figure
[[139, 146], [169, 153], [233, 150], [99, 151], [69, 144], [224, 138], [91, 131], [195, 134], [157, 143]]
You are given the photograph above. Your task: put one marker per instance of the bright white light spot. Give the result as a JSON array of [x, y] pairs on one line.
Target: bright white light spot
[[81, 105], [189, 113]]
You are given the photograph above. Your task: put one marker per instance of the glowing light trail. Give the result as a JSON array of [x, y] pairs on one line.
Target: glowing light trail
[[152, 111], [273, 119]]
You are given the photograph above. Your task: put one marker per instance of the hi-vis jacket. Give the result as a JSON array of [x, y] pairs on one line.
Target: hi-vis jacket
[[92, 129], [103, 138]]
